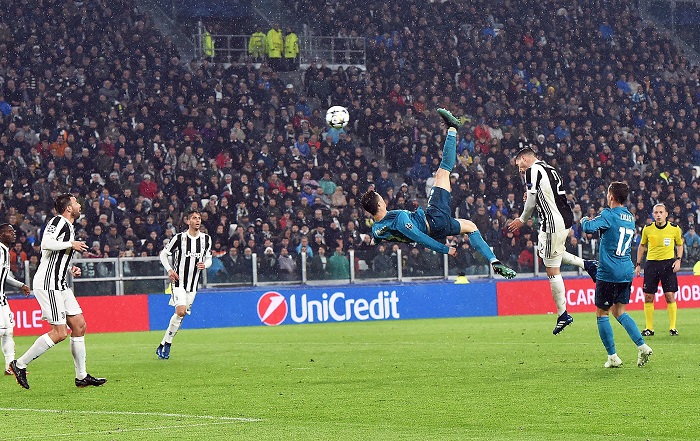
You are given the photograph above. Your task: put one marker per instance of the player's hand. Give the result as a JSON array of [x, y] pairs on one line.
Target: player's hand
[[637, 270], [515, 225], [200, 265], [676, 266], [76, 271], [25, 290], [452, 252], [79, 246], [172, 275]]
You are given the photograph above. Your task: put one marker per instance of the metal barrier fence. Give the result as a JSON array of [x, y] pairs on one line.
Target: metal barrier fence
[[234, 49], [140, 275]]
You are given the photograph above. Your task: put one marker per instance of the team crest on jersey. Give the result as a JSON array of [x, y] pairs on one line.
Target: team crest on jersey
[[667, 241], [409, 226]]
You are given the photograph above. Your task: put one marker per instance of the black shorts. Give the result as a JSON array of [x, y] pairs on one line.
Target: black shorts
[[609, 293], [657, 271]]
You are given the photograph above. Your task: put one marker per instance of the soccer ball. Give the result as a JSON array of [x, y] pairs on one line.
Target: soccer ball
[[337, 117]]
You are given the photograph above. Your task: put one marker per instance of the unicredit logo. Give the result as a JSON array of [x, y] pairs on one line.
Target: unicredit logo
[[272, 308]]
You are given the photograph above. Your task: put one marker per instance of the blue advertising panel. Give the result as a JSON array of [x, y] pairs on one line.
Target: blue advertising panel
[[304, 304]]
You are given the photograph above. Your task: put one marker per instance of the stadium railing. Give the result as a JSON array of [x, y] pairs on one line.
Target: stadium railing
[[141, 275], [337, 51]]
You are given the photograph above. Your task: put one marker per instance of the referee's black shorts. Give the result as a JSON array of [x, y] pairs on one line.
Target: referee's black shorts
[[657, 271]]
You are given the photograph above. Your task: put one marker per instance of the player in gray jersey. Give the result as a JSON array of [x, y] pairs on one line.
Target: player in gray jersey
[[7, 322], [191, 254], [58, 304]]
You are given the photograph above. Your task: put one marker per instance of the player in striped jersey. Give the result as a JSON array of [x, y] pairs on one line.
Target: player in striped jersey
[[191, 254], [545, 190], [7, 323], [58, 304]]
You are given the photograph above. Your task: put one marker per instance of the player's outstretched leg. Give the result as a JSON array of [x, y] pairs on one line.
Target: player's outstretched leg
[[590, 266]]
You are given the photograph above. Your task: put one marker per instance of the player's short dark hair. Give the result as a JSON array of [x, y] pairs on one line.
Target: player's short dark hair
[[5, 225], [190, 211], [525, 151], [619, 191], [370, 201], [62, 202]]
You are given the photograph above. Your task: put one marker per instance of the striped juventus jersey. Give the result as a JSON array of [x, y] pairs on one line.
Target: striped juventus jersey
[[56, 254], [544, 184], [186, 252], [5, 274]]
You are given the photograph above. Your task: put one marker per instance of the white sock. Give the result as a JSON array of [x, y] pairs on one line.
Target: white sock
[[556, 283], [41, 345], [175, 322], [77, 348], [8, 345], [571, 259]]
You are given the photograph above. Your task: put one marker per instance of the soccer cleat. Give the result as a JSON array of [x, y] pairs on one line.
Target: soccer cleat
[[8, 371], [89, 380], [503, 270], [673, 332], [648, 333], [163, 351], [644, 353], [20, 374], [613, 361], [449, 119], [563, 321], [591, 267]]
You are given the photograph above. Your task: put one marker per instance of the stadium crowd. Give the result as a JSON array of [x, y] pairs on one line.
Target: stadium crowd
[[97, 103]]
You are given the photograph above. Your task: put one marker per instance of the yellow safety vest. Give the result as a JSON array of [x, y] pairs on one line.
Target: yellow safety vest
[[275, 43], [291, 45], [256, 45], [208, 45]]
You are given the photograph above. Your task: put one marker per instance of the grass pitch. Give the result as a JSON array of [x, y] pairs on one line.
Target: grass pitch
[[497, 378]]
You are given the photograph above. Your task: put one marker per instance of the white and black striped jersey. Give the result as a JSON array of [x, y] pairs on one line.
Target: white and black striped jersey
[[186, 252], [56, 254], [544, 184], [5, 274]]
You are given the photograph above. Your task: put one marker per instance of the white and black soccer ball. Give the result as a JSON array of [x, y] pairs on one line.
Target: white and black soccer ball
[[337, 117]]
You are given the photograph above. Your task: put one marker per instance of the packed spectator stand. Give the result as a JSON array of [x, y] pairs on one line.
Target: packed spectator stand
[[96, 102]]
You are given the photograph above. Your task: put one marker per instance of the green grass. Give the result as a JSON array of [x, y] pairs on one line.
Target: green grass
[[505, 378]]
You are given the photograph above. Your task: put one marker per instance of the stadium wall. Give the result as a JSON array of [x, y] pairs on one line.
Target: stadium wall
[[346, 303]]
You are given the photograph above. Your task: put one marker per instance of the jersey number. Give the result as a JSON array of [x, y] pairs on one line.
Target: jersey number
[[623, 244], [560, 184]]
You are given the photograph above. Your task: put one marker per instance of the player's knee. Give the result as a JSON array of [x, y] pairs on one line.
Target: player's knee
[[60, 334], [180, 312]]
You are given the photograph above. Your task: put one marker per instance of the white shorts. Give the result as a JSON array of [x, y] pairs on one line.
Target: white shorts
[[180, 297], [551, 247], [7, 319], [56, 305]]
